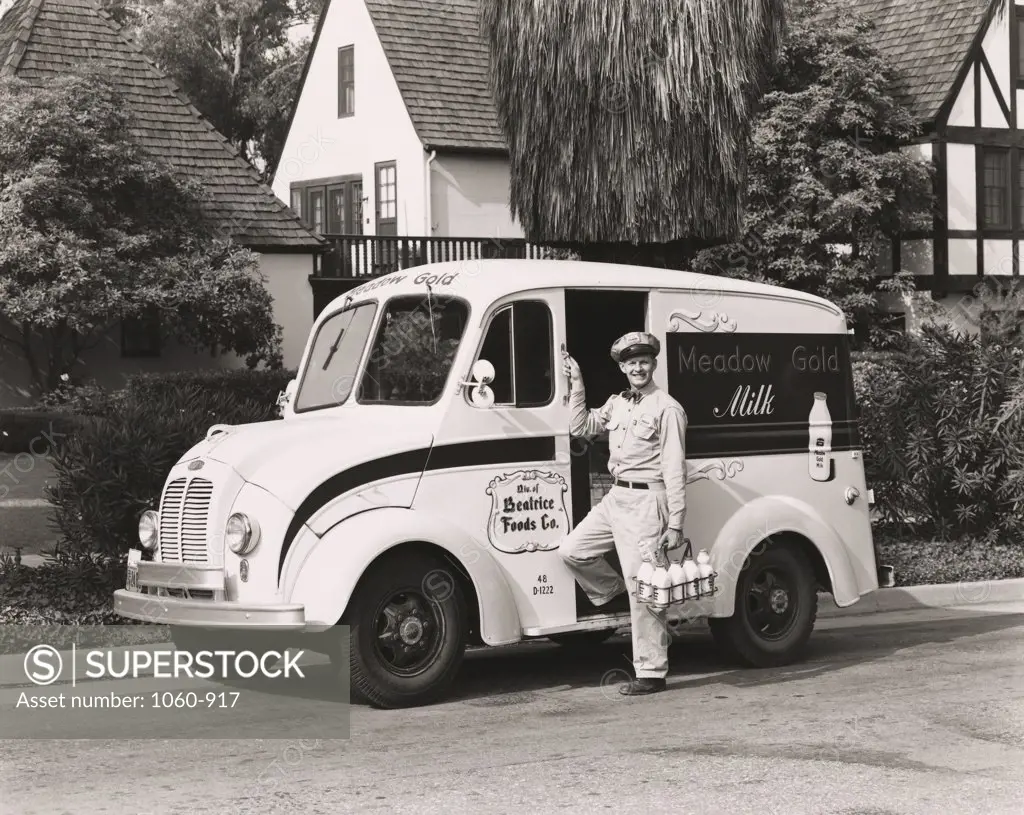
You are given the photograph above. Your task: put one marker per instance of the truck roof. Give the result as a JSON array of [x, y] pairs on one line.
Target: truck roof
[[491, 279]]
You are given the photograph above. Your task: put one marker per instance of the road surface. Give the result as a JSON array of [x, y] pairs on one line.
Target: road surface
[[913, 712]]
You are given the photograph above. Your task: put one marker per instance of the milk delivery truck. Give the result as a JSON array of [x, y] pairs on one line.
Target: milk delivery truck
[[416, 488]]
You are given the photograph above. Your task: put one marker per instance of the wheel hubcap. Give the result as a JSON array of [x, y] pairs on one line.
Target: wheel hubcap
[[409, 632], [771, 603], [779, 600]]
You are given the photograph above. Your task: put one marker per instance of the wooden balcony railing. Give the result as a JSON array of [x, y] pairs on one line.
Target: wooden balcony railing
[[357, 256]]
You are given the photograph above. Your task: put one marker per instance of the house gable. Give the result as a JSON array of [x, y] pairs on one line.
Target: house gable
[[41, 39], [334, 157]]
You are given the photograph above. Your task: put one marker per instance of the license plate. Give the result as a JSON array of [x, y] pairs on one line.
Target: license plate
[[132, 581]]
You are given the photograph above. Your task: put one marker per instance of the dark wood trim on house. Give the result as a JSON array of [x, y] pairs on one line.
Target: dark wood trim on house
[[1015, 78], [979, 210], [940, 227], [449, 150], [331, 179], [977, 94], [995, 89], [988, 136]]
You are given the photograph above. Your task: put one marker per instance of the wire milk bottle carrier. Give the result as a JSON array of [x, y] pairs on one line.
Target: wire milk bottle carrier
[[691, 580]]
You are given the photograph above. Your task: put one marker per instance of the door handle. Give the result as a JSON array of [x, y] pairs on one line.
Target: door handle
[[568, 382]]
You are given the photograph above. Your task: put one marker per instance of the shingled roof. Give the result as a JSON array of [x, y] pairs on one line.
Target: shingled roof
[[439, 59], [928, 42], [41, 39]]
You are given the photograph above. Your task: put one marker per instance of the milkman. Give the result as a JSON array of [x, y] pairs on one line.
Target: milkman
[[641, 517]]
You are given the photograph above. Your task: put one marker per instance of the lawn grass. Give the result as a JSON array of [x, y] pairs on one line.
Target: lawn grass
[[24, 476], [31, 528]]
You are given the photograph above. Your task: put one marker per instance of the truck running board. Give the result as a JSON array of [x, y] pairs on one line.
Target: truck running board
[[592, 622]]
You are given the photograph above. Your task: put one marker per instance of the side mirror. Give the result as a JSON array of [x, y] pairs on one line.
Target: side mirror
[[482, 374], [285, 396]]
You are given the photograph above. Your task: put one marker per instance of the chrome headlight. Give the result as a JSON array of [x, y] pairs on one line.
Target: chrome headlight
[[149, 525], [242, 533]]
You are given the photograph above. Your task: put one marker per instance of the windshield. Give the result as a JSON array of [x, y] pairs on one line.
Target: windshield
[[414, 350], [409, 363], [334, 360]]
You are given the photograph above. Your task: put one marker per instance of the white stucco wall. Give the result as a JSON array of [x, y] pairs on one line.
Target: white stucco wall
[[996, 46], [963, 257], [320, 145], [287, 280], [960, 186], [469, 197], [962, 112]]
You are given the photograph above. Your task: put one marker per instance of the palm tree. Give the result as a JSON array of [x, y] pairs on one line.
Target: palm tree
[[627, 120]]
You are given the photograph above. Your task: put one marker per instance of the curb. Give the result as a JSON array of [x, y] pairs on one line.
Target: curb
[[939, 595]]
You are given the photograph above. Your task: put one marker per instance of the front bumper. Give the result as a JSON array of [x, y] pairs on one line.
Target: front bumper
[[156, 601]]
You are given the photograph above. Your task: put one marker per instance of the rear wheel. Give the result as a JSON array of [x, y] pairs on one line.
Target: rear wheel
[[407, 632], [776, 606]]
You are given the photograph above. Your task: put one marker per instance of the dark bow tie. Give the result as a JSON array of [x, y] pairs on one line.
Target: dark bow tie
[[632, 396]]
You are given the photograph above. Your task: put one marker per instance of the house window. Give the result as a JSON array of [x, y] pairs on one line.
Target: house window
[[1020, 192], [316, 210], [995, 188], [140, 336], [519, 346], [332, 206], [387, 198], [346, 82], [1020, 51]]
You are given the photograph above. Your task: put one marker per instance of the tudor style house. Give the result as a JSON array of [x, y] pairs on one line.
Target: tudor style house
[[962, 68], [394, 134], [40, 40]]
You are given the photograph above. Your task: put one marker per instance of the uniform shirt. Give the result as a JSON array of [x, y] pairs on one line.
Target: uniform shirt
[[646, 438]]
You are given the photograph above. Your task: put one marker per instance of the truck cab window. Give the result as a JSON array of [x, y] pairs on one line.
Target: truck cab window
[[519, 346]]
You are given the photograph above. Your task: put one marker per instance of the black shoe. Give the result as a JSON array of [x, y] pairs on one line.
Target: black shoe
[[643, 687]]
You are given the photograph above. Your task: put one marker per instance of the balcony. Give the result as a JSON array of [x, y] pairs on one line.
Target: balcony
[[359, 257]]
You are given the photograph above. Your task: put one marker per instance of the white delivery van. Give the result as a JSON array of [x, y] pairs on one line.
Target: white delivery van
[[422, 475]]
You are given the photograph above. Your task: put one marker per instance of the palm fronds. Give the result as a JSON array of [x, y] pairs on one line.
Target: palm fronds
[[628, 120]]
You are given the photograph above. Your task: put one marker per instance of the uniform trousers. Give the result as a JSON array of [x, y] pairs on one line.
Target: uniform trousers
[[631, 522]]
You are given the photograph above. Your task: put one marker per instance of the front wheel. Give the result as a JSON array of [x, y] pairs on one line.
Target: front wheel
[[407, 632], [776, 605]]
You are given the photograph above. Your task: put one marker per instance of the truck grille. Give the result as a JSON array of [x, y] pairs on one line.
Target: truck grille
[[184, 514]]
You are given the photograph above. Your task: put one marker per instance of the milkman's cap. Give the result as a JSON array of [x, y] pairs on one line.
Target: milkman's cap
[[635, 344]]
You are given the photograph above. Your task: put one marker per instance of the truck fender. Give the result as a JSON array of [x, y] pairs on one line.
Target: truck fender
[[327, 576], [771, 515]]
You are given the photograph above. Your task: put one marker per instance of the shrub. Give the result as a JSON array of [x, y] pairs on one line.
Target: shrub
[[261, 387], [115, 467], [938, 448], [81, 400], [34, 430], [77, 591]]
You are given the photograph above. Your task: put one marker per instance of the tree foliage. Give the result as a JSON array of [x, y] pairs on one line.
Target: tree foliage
[[96, 230], [825, 167], [627, 122], [232, 58]]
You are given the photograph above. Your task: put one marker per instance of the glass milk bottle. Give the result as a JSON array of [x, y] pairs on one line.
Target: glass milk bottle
[[820, 446]]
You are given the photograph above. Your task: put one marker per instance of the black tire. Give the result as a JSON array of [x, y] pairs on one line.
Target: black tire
[[396, 615], [582, 639], [776, 606]]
